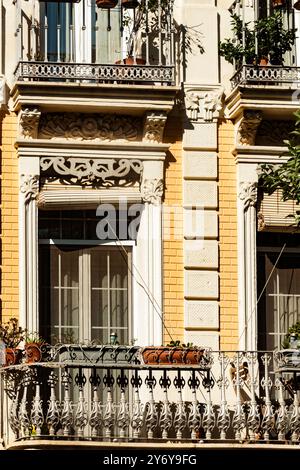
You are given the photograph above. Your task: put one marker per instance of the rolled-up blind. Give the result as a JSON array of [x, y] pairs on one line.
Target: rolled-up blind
[[273, 212]]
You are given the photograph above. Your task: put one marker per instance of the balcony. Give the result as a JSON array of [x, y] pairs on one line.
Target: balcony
[[103, 394]]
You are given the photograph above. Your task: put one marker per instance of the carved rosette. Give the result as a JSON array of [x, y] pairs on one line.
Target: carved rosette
[[248, 127], [248, 194], [192, 105], [152, 191], [212, 104], [29, 122], [154, 125], [90, 171], [79, 126], [29, 187]]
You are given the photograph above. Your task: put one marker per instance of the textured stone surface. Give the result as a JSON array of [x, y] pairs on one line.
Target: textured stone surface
[[201, 253], [199, 223], [201, 193], [201, 314], [201, 284], [203, 338], [203, 165]]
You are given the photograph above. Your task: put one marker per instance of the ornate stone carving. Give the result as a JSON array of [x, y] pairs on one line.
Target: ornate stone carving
[[261, 225], [29, 122], [248, 193], [90, 172], [248, 127], [104, 127], [152, 190], [274, 132], [192, 104], [29, 187], [212, 103], [154, 125]]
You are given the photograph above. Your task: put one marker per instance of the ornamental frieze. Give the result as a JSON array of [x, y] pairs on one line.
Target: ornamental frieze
[[91, 172], [99, 127]]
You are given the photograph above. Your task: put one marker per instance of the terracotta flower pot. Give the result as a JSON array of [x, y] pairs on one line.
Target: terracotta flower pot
[[33, 352], [173, 355], [12, 356], [130, 61], [106, 3], [130, 4]]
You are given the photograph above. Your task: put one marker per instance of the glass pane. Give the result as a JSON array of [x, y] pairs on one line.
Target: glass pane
[[99, 277], [100, 335], [69, 268], [72, 229], [70, 307], [118, 269], [99, 307], [119, 308]]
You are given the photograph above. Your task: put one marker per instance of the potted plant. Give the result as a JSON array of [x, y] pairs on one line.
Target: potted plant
[[11, 336], [174, 353], [273, 41], [34, 344], [292, 338]]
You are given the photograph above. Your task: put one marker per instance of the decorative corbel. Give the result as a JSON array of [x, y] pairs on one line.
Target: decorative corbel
[[152, 190], [248, 193], [29, 187], [212, 104], [248, 127], [154, 125], [192, 105], [29, 123]]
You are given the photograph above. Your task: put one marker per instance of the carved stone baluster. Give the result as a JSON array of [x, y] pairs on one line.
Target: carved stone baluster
[[67, 408], [53, 413], [253, 420], [81, 409], [137, 415], [123, 418], [238, 420], [23, 413], [223, 419], [151, 408], [180, 418], [194, 421], [268, 412], [109, 415], [282, 415], [37, 417], [95, 420], [165, 420], [295, 419]]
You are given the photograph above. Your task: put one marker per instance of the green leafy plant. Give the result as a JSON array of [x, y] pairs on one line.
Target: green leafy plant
[[292, 335], [285, 177], [177, 344], [11, 334], [34, 337], [273, 40]]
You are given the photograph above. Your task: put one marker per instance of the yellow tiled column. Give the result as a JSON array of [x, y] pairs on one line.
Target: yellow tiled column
[[173, 295], [228, 239], [9, 220]]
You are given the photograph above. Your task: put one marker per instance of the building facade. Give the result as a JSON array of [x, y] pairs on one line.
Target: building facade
[[130, 199]]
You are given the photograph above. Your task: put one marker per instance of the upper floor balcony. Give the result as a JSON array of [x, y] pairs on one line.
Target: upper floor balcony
[[68, 48], [110, 394], [263, 48]]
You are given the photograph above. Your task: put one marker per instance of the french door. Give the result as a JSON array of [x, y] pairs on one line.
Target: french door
[[84, 293]]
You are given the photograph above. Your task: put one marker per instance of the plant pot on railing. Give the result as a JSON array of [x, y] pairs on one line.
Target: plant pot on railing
[[131, 61], [172, 355], [12, 356], [106, 3], [129, 4]]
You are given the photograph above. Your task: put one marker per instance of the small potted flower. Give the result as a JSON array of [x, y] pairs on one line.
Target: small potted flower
[[174, 353], [11, 337], [34, 344]]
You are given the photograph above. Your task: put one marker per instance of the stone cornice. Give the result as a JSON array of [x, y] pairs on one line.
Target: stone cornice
[[89, 98], [86, 149], [259, 154]]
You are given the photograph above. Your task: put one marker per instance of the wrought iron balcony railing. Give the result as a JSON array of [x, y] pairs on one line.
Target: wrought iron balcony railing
[[255, 75], [63, 42], [98, 394]]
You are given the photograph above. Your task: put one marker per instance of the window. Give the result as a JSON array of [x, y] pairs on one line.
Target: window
[[84, 289], [279, 307]]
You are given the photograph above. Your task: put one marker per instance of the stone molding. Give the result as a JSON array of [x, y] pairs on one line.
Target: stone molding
[[248, 127], [248, 193], [80, 126], [154, 125], [29, 187], [152, 190], [29, 119], [203, 104]]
